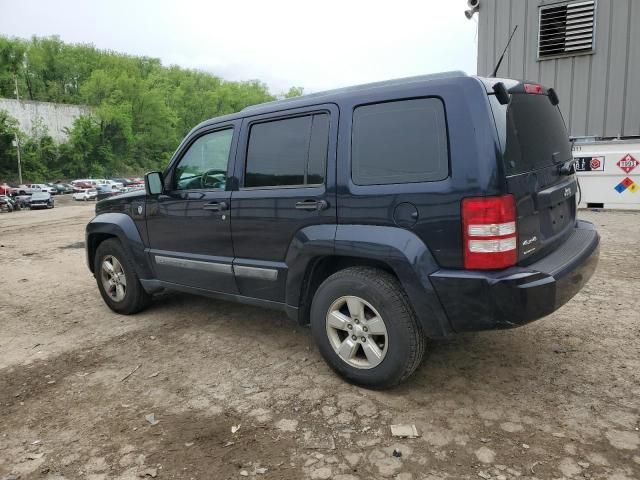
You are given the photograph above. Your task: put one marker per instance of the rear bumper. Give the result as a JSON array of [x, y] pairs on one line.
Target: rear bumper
[[476, 300]]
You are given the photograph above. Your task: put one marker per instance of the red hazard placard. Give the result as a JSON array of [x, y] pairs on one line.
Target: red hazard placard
[[627, 163]]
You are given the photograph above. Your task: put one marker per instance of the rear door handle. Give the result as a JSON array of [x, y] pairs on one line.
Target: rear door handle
[[312, 205], [216, 206]]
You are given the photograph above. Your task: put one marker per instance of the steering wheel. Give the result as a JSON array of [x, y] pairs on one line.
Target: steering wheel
[[213, 179]]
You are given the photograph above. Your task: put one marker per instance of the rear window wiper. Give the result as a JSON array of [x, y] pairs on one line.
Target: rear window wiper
[[567, 168]]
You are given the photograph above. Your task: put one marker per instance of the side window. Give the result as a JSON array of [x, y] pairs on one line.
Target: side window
[[204, 166], [399, 142], [292, 151]]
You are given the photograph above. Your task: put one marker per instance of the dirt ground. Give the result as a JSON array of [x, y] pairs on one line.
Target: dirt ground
[[559, 398]]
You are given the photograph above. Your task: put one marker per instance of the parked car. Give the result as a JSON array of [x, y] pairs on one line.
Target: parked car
[[35, 187], [136, 181], [41, 200], [125, 182], [86, 194], [113, 183], [132, 187], [86, 182], [22, 201], [61, 188], [106, 190], [436, 205], [79, 185], [6, 189], [7, 204]]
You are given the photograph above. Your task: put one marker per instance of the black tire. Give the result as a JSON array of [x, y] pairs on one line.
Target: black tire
[[405, 339], [136, 298]]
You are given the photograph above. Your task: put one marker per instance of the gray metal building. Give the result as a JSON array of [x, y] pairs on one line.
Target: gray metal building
[[588, 50]]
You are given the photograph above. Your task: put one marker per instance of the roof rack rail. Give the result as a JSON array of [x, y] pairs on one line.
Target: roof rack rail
[[384, 83]]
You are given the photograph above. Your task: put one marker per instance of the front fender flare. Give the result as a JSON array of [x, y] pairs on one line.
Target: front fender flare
[[121, 226]]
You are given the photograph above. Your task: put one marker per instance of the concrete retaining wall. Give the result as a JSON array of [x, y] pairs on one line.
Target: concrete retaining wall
[[56, 116]]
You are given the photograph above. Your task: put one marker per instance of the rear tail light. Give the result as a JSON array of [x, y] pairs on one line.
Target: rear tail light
[[489, 232]]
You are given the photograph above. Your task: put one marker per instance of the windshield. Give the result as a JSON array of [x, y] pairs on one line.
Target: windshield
[[532, 133]]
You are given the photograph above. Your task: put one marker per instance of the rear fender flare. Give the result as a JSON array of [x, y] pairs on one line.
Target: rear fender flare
[[403, 251], [308, 243]]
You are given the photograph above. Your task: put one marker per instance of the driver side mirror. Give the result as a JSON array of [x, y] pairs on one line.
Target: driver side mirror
[[153, 183]]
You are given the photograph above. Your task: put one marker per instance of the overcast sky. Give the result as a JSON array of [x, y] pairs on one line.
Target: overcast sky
[[313, 44]]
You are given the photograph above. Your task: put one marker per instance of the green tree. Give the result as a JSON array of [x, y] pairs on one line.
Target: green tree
[[294, 92], [140, 108], [8, 153]]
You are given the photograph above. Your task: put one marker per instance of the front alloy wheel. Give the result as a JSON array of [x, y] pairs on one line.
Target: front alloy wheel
[[114, 280], [357, 332], [117, 279]]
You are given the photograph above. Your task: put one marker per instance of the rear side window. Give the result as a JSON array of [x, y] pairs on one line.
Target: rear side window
[[399, 142], [288, 152]]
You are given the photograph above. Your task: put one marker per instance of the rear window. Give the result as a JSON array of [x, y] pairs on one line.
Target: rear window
[[532, 133], [399, 142]]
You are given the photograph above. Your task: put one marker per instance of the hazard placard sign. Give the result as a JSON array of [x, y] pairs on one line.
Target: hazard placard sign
[[626, 184], [627, 163]]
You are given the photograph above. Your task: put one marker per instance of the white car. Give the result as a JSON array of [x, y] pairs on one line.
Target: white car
[[113, 183], [36, 187], [87, 194]]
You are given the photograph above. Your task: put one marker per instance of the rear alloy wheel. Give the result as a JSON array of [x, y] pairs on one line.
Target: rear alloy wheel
[[117, 279], [365, 328], [357, 332]]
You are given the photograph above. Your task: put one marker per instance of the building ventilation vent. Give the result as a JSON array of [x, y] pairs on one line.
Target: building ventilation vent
[[566, 29]]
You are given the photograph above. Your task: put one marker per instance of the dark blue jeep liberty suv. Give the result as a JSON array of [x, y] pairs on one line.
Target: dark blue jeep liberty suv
[[381, 215]]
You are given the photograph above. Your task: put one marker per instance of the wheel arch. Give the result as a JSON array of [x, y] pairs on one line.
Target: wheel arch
[[93, 241], [322, 267], [395, 250], [122, 227]]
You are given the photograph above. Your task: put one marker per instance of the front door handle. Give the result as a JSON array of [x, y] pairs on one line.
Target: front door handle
[[312, 205], [216, 206]]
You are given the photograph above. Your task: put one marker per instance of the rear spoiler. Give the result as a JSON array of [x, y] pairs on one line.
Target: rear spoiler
[[503, 94]]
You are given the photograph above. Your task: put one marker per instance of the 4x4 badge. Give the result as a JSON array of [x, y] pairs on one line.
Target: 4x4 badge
[[627, 163]]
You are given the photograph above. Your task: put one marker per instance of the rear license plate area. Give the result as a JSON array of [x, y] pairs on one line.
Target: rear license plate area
[[558, 216]]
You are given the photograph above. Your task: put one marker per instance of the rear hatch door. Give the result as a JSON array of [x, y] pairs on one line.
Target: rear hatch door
[[537, 160]]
